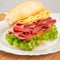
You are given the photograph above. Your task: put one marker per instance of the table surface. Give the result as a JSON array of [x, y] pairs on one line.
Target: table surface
[[8, 56]]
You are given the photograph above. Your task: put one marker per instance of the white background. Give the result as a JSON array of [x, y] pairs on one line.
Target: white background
[[53, 5]]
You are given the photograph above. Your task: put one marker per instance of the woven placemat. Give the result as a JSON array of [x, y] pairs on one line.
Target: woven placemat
[[8, 56]]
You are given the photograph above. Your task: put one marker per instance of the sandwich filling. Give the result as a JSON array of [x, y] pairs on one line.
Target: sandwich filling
[[28, 31]]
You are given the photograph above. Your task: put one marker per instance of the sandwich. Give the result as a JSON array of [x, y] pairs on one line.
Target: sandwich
[[31, 25]]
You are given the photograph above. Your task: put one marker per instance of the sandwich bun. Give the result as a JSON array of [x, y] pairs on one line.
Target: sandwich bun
[[23, 11]]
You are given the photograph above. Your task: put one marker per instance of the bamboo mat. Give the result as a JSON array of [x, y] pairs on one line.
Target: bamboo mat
[[8, 56]]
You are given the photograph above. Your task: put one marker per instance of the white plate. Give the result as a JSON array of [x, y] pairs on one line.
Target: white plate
[[45, 48]]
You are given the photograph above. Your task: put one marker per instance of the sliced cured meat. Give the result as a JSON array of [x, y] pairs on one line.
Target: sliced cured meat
[[27, 31], [39, 33], [36, 29], [18, 28], [52, 23], [32, 25], [46, 21]]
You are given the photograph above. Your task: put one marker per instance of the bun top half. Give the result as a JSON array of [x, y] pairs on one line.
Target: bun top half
[[24, 10]]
